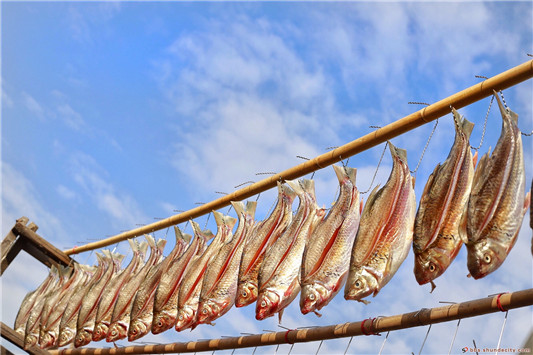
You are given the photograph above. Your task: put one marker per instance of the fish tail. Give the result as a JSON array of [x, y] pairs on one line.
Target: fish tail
[[295, 186], [238, 206]]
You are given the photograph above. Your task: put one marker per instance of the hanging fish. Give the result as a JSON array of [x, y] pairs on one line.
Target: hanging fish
[[279, 273], [143, 305], [114, 288], [263, 235], [53, 310], [31, 336], [69, 319], [385, 232], [120, 319], [166, 296], [436, 240], [189, 293], [89, 306], [326, 258], [497, 204], [30, 299], [219, 286]]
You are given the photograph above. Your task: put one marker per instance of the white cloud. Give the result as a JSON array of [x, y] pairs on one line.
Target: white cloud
[[121, 208], [65, 192], [71, 118], [33, 106]]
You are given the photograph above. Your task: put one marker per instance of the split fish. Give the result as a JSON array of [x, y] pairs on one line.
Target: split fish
[[31, 336], [69, 319], [327, 256], [189, 293], [219, 287], [385, 232], [54, 309], [497, 204], [30, 299], [263, 235], [279, 273], [143, 305], [89, 306], [120, 319], [114, 288], [436, 240], [166, 296]]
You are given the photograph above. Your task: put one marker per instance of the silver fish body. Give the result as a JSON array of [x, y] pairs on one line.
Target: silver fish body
[[279, 273], [189, 293], [498, 202], [436, 239], [219, 287], [327, 256], [263, 235], [385, 232]]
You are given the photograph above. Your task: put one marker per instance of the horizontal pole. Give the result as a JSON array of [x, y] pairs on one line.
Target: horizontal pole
[[419, 318], [461, 99]]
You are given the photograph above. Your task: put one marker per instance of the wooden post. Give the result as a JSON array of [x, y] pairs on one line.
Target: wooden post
[[461, 99], [23, 237], [373, 326], [15, 338]]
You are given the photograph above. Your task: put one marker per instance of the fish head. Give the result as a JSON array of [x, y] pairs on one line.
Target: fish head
[[484, 257], [362, 284], [83, 337], [163, 321], [138, 329], [246, 294], [100, 331], [117, 331], [267, 304], [186, 318], [47, 340], [313, 297], [207, 311], [66, 336], [30, 340], [429, 265]]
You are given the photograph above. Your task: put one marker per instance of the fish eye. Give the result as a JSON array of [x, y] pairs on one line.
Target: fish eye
[[358, 283], [134, 331], [312, 297], [204, 311], [114, 333], [263, 304], [159, 324], [244, 294], [431, 267], [180, 317], [487, 258]]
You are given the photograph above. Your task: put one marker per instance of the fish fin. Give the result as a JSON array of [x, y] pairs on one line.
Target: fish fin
[[527, 203], [479, 172], [462, 226], [433, 286], [361, 206], [413, 181], [143, 248], [474, 159], [364, 301], [280, 315], [295, 186], [317, 314], [250, 208], [371, 199]]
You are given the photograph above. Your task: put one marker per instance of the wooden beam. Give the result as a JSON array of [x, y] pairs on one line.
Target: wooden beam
[[378, 325], [17, 340], [461, 99], [10, 254]]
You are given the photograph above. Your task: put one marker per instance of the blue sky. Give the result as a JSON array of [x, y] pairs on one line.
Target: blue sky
[[114, 114]]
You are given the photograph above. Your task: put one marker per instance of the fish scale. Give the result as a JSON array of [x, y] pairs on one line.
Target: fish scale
[[189, 293], [279, 273], [385, 233], [498, 202], [219, 288], [436, 239], [327, 255]]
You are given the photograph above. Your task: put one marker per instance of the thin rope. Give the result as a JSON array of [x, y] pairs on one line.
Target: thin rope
[[454, 335], [290, 349], [319, 345], [475, 346], [426, 146], [424, 342], [377, 168], [207, 220], [417, 103], [484, 125], [501, 333], [244, 183], [383, 345], [345, 351]]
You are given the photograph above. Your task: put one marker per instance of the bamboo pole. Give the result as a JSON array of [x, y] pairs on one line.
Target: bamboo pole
[[419, 318], [461, 99]]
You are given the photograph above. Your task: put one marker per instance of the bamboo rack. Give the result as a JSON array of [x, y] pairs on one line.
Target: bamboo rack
[[461, 99], [425, 316]]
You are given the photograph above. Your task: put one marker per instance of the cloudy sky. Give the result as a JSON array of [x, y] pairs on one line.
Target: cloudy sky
[[116, 114]]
